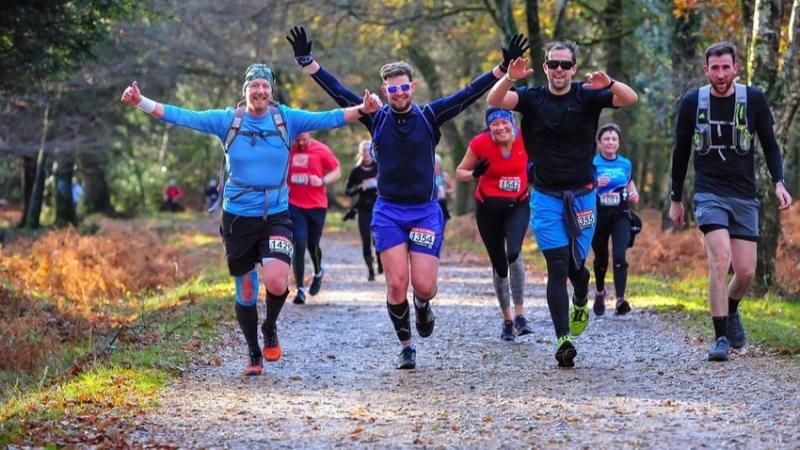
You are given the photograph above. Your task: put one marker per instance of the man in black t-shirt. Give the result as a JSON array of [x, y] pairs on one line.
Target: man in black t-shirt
[[718, 121], [559, 121]]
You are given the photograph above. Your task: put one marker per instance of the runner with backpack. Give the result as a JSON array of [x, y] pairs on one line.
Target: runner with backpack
[[407, 221], [256, 226]]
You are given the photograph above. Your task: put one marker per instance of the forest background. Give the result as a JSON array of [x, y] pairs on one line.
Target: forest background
[[66, 63]]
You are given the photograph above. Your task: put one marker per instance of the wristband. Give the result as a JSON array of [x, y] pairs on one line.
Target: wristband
[[304, 60], [509, 79], [147, 105], [611, 84], [361, 112]]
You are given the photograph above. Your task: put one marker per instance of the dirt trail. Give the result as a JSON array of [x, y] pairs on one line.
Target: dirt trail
[[639, 381]]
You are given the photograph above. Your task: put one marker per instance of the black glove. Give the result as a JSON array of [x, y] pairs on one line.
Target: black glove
[[516, 47], [480, 168], [301, 45]]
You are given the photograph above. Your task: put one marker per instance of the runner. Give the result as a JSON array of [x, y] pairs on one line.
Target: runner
[[313, 167], [615, 192], [407, 220], [362, 183], [444, 186], [497, 159], [717, 123], [559, 121], [256, 227]]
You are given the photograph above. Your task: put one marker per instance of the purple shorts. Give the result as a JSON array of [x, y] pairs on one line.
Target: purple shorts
[[419, 225]]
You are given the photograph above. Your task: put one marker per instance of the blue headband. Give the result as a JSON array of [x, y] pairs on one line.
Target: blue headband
[[499, 114]]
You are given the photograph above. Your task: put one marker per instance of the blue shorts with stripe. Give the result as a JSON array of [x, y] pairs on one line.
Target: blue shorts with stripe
[[419, 225], [547, 221]]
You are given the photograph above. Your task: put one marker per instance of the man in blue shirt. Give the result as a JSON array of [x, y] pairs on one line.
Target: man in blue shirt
[[256, 227], [407, 222]]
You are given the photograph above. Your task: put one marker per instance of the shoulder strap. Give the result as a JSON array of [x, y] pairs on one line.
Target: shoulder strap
[[428, 124], [280, 123], [703, 101], [236, 124], [740, 110]]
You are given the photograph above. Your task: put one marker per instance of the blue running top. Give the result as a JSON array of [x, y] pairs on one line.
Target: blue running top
[[258, 161]]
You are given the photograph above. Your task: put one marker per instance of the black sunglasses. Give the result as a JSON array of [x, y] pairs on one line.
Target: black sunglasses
[[554, 63]]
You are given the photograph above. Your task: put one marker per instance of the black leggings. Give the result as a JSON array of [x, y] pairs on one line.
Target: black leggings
[[560, 267], [502, 234], [307, 230], [364, 221], [617, 227]]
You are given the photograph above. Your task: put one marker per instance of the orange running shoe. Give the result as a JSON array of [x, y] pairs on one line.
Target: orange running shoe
[[272, 346], [254, 365]]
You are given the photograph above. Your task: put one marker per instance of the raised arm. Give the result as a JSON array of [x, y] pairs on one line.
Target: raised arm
[[500, 96], [623, 94], [448, 107], [133, 96]]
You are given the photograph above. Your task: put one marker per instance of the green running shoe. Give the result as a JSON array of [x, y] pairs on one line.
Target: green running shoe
[[578, 319], [565, 352]]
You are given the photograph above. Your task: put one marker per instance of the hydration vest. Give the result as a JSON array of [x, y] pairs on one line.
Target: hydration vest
[[741, 138], [235, 130]]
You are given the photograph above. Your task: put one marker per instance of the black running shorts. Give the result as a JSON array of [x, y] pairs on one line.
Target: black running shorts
[[249, 240]]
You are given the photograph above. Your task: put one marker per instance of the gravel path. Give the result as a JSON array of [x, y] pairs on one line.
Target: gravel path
[[640, 382]]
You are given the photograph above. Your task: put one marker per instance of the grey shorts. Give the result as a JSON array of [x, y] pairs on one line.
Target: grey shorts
[[738, 215]]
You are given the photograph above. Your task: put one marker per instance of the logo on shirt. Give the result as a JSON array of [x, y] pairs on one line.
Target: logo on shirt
[[300, 160]]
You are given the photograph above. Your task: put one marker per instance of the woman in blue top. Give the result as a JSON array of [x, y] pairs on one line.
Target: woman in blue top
[[615, 191], [256, 227]]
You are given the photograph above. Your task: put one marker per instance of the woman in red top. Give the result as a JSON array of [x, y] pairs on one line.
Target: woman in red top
[[498, 160]]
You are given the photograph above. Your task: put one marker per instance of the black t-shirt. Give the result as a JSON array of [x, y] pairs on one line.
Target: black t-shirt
[[722, 171], [365, 199], [559, 133]]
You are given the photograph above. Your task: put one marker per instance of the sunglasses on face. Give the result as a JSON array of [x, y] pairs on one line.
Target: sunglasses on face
[[394, 88], [553, 64]]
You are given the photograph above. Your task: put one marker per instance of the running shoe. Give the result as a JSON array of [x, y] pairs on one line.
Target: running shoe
[[522, 326], [371, 275], [507, 331], [407, 358], [578, 319], [272, 346], [721, 350], [599, 306], [316, 282], [735, 331], [300, 297], [565, 352], [425, 319], [254, 365], [623, 307]]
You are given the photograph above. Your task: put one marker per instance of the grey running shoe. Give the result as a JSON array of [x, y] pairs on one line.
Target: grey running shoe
[[599, 303], [522, 326], [407, 358], [507, 332], [735, 331], [300, 298], [721, 350]]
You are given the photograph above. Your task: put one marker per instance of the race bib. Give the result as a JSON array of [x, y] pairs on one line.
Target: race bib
[[610, 199], [300, 178], [281, 244], [371, 183], [422, 237], [585, 219], [510, 184]]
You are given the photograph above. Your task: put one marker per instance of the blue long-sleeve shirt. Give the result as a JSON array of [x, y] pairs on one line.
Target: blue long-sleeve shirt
[[262, 164], [404, 144]]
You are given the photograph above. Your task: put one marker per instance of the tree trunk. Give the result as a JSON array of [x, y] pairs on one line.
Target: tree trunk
[[95, 188], [64, 203], [762, 70], [27, 176], [535, 38], [37, 194]]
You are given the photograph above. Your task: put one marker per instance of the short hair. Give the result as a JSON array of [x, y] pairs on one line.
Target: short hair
[[562, 45], [396, 69], [721, 48], [609, 127]]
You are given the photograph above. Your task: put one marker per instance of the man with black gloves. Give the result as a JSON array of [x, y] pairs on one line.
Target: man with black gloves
[[559, 121], [407, 221]]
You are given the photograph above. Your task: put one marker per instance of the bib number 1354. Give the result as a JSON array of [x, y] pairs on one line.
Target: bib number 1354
[[422, 237]]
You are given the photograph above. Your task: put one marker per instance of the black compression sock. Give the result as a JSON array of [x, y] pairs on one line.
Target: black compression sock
[[274, 305], [733, 305], [247, 316], [720, 326], [401, 319]]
